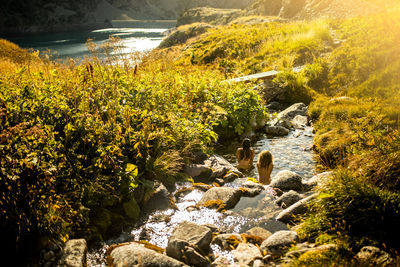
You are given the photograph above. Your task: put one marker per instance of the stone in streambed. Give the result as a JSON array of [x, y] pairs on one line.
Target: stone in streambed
[[276, 130], [245, 254], [287, 180], [278, 243], [220, 198], [220, 167], [300, 122], [227, 241], [300, 207], [189, 235], [133, 254], [288, 199], [74, 254], [259, 231]]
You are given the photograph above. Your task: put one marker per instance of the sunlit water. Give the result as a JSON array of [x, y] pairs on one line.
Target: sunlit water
[[73, 44], [290, 153]]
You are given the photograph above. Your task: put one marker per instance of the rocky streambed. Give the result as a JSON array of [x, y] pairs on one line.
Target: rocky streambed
[[229, 219]]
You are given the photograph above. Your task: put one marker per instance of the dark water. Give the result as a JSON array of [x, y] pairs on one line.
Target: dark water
[[72, 44], [292, 152]]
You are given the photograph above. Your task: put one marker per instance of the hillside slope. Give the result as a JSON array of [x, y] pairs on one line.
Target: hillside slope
[[19, 17]]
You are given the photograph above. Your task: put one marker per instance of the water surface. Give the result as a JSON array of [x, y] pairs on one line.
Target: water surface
[[73, 44]]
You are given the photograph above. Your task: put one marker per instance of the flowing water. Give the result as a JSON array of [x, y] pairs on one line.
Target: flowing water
[[292, 152], [73, 44]]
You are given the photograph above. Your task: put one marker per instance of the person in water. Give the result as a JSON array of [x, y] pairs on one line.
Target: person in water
[[245, 155], [264, 167]]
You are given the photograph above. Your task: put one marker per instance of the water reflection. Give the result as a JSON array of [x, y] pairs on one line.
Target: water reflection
[[72, 44]]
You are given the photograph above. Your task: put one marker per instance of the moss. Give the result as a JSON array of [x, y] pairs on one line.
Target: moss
[[256, 240], [151, 246], [215, 204], [131, 209]]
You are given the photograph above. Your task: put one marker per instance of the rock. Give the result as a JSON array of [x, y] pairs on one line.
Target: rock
[[212, 227], [220, 167], [220, 181], [292, 111], [194, 258], [250, 184], [198, 171], [287, 180], [300, 122], [227, 241], [278, 192], [74, 254], [274, 106], [373, 256], [300, 207], [318, 179], [250, 192], [157, 200], [259, 231], [278, 243], [245, 254], [221, 261], [189, 235], [230, 177], [134, 254], [220, 197], [282, 122], [276, 130], [288, 199], [258, 263]]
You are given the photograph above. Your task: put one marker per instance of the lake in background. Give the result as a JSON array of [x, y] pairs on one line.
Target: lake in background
[[73, 44]]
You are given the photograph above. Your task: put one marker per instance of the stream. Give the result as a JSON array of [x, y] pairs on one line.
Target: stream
[[292, 152]]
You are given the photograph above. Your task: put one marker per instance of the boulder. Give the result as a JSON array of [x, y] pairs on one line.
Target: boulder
[[300, 122], [227, 241], [250, 192], [134, 254], [278, 243], [282, 122], [159, 199], [318, 179], [259, 231], [250, 184], [287, 180], [220, 167], [293, 111], [276, 130], [245, 254], [300, 207], [274, 106], [189, 235], [194, 258], [220, 197], [373, 256], [74, 254], [230, 177], [288, 199], [198, 171]]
